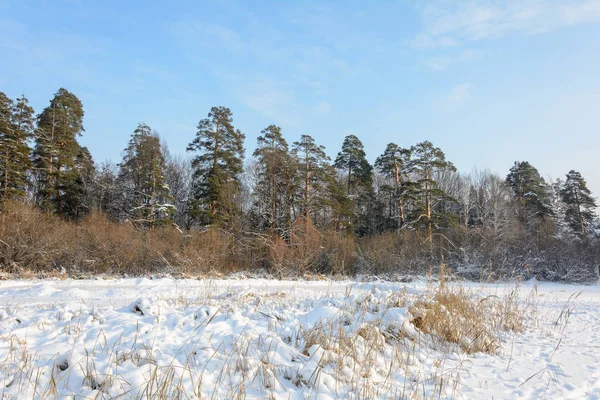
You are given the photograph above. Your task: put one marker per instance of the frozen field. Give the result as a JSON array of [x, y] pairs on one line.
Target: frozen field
[[229, 339]]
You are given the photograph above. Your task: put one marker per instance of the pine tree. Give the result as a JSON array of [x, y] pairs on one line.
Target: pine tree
[[275, 188], [141, 172], [579, 202], [313, 168], [336, 199], [427, 160], [352, 159], [217, 168], [16, 128], [57, 149], [359, 183], [6, 145], [531, 194], [77, 187], [394, 164]]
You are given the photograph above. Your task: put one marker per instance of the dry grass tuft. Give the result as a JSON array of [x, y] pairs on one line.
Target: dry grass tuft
[[475, 324]]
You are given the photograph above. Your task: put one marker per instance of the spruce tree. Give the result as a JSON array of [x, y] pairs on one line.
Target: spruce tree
[[394, 164], [16, 129], [141, 173], [580, 204], [427, 160], [56, 151], [217, 168]]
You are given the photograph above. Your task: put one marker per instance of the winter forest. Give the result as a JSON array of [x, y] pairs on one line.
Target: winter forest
[[284, 209]]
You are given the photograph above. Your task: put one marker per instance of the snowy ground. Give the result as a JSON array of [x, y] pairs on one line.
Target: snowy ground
[[168, 338]]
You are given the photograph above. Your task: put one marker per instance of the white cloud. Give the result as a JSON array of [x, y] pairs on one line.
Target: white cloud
[[447, 22]]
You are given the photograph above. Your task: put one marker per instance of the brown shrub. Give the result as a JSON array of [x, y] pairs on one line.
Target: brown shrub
[[44, 244], [41, 242], [391, 253]]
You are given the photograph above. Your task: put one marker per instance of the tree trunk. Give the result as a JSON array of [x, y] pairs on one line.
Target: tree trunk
[[6, 163], [398, 197], [153, 200], [306, 186], [273, 202], [5, 197], [428, 211], [50, 153], [581, 223], [213, 203], [349, 176]]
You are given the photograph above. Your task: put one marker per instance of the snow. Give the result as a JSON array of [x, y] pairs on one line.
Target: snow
[[259, 338]]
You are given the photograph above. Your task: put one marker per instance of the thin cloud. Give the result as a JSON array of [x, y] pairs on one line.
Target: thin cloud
[[323, 108], [459, 93], [426, 41], [206, 35], [457, 96], [442, 63], [270, 98], [447, 22]]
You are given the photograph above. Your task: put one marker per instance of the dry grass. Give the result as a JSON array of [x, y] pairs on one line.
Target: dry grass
[[37, 244], [358, 347], [452, 314]]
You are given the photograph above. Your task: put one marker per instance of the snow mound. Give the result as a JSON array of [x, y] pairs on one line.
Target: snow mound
[[148, 307]]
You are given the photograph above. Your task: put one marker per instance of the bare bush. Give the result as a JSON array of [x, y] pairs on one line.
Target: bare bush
[[34, 243]]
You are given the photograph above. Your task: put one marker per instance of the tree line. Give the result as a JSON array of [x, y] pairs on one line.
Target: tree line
[[285, 188]]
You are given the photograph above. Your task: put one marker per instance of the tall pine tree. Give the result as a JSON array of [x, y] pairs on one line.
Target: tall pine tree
[[580, 204], [15, 161], [16, 129], [275, 188], [394, 164], [313, 168], [6, 144], [531, 194], [57, 151], [353, 160], [217, 168], [359, 174], [427, 160]]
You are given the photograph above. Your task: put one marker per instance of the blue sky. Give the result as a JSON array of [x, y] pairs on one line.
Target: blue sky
[[489, 82]]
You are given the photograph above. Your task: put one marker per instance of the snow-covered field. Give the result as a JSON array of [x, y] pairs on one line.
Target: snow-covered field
[[229, 339]]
